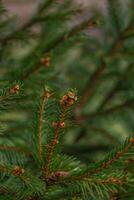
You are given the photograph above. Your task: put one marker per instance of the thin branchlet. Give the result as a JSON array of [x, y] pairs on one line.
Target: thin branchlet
[[54, 141], [46, 94], [107, 164], [66, 101], [10, 92], [15, 149]]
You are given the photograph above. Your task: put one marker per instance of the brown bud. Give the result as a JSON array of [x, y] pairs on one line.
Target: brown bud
[[61, 173], [116, 181], [56, 141], [15, 89], [70, 102], [65, 97], [46, 61], [68, 99], [62, 124], [18, 171], [59, 124], [131, 140], [71, 95], [48, 94]]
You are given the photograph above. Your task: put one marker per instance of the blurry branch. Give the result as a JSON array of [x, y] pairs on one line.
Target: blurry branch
[[45, 5], [84, 149], [113, 6], [111, 93], [59, 16], [91, 84], [127, 104], [28, 24], [95, 78], [103, 132], [61, 39]]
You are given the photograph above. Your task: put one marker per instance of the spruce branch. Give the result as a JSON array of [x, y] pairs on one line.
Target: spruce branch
[[10, 92], [16, 149], [110, 180], [66, 101], [104, 165], [46, 94], [33, 165]]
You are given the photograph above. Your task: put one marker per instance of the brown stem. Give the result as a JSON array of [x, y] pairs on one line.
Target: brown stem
[[52, 145], [107, 164], [13, 148], [44, 97]]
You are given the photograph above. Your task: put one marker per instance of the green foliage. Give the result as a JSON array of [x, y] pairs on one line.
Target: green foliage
[[53, 146]]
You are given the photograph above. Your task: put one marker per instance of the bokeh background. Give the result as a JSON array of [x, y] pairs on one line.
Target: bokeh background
[[74, 64]]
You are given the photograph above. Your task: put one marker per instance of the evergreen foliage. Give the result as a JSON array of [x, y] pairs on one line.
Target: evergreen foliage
[[55, 141]]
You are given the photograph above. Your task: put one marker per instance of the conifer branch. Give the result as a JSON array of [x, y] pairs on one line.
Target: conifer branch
[[10, 92], [66, 101], [111, 180], [46, 94], [16, 149], [50, 171], [114, 158], [54, 142]]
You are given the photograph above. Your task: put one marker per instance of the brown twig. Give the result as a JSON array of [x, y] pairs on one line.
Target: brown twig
[[12, 91], [66, 101], [107, 164], [16, 149], [46, 94], [52, 145]]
